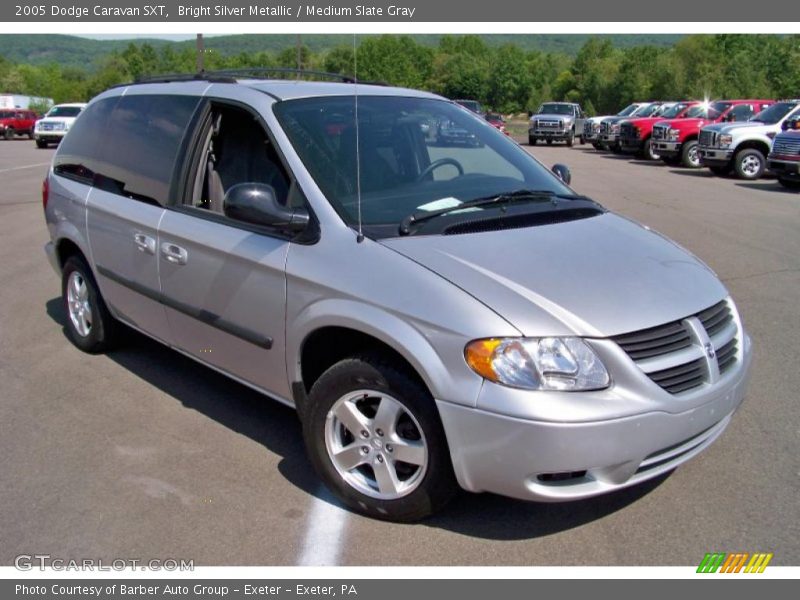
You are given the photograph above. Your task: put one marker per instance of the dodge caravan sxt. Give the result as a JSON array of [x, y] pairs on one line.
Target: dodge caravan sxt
[[439, 315]]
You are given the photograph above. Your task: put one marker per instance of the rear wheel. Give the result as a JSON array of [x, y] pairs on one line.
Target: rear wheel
[[9, 133], [89, 324], [749, 163], [689, 156], [375, 438], [30, 134]]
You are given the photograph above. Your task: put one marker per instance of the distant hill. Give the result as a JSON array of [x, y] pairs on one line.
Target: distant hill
[[70, 50]]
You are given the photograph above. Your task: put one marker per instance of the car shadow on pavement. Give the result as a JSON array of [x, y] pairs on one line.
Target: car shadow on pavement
[[277, 428], [767, 186], [704, 173], [495, 517]]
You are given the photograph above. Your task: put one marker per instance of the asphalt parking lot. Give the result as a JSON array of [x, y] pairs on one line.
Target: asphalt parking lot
[[143, 454]]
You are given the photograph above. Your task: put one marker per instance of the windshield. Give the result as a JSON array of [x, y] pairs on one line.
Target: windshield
[[472, 105], [415, 154], [555, 109], [674, 111], [774, 113], [630, 109], [705, 111], [651, 110], [64, 111]]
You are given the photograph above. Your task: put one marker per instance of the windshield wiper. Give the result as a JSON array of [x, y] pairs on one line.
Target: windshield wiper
[[523, 195]]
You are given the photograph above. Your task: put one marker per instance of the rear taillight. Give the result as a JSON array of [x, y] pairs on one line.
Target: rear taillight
[[45, 192]]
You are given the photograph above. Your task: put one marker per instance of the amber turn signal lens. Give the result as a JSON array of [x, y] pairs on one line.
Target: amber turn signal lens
[[479, 356]]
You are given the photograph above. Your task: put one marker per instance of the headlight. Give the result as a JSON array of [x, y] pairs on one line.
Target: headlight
[[551, 363], [724, 140], [673, 135]]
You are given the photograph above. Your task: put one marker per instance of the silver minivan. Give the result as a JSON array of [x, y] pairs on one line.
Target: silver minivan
[[441, 315]]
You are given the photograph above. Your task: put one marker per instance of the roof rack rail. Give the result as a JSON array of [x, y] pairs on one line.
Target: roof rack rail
[[231, 75]]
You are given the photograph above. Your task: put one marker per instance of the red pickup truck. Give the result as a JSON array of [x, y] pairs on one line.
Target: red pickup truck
[[17, 121], [635, 135], [676, 140]]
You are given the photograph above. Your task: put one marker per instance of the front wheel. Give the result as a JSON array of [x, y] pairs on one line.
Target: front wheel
[[749, 163], [41, 144], [9, 133], [531, 140], [374, 436], [571, 139], [649, 152], [689, 156], [550, 141], [89, 324]]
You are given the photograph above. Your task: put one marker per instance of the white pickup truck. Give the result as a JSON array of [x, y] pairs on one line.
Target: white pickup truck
[[742, 148]]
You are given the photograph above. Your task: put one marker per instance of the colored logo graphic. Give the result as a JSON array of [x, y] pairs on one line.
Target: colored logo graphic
[[734, 562]]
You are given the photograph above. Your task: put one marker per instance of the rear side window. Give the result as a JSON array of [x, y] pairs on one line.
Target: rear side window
[[130, 144]]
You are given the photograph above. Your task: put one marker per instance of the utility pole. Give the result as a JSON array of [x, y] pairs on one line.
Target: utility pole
[[200, 54]]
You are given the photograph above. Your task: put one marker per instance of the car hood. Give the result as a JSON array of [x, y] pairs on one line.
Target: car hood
[[749, 125], [616, 119], [594, 277], [691, 123]]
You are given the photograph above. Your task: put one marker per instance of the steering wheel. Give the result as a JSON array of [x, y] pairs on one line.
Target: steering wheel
[[440, 163]]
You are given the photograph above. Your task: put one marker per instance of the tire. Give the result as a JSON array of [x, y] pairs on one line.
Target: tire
[[581, 141], [30, 134], [689, 157], [9, 133], [749, 164], [789, 184], [648, 153], [616, 149], [79, 291], [531, 141], [597, 146], [721, 171], [41, 144], [549, 141], [354, 387], [571, 140]]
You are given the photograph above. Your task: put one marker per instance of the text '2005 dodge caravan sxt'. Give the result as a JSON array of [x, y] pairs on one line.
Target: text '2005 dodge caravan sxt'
[[441, 315]]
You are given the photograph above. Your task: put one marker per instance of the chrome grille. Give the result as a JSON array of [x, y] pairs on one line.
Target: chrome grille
[[786, 144], [707, 138], [548, 123], [674, 358], [626, 130], [603, 127]]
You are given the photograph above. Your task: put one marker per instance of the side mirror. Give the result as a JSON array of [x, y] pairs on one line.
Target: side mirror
[[562, 172], [256, 203]]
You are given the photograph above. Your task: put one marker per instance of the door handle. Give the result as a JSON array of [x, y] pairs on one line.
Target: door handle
[[174, 253], [144, 243]]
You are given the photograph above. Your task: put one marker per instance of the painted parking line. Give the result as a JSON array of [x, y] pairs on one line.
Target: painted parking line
[[324, 534], [24, 167]]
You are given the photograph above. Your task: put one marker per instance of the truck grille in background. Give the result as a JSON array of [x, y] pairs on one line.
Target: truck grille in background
[[659, 132], [549, 123], [786, 144], [672, 360], [587, 129], [707, 138], [626, 130], [603, 127]]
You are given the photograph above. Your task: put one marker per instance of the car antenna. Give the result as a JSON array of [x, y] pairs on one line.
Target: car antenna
[[360, 236]]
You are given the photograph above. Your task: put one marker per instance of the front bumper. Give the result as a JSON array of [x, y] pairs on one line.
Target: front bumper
[[552, 461], [550, 134], [788, 168], [49, 136], [667, 149], [714, 157], [631, 145], [609, 138]]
